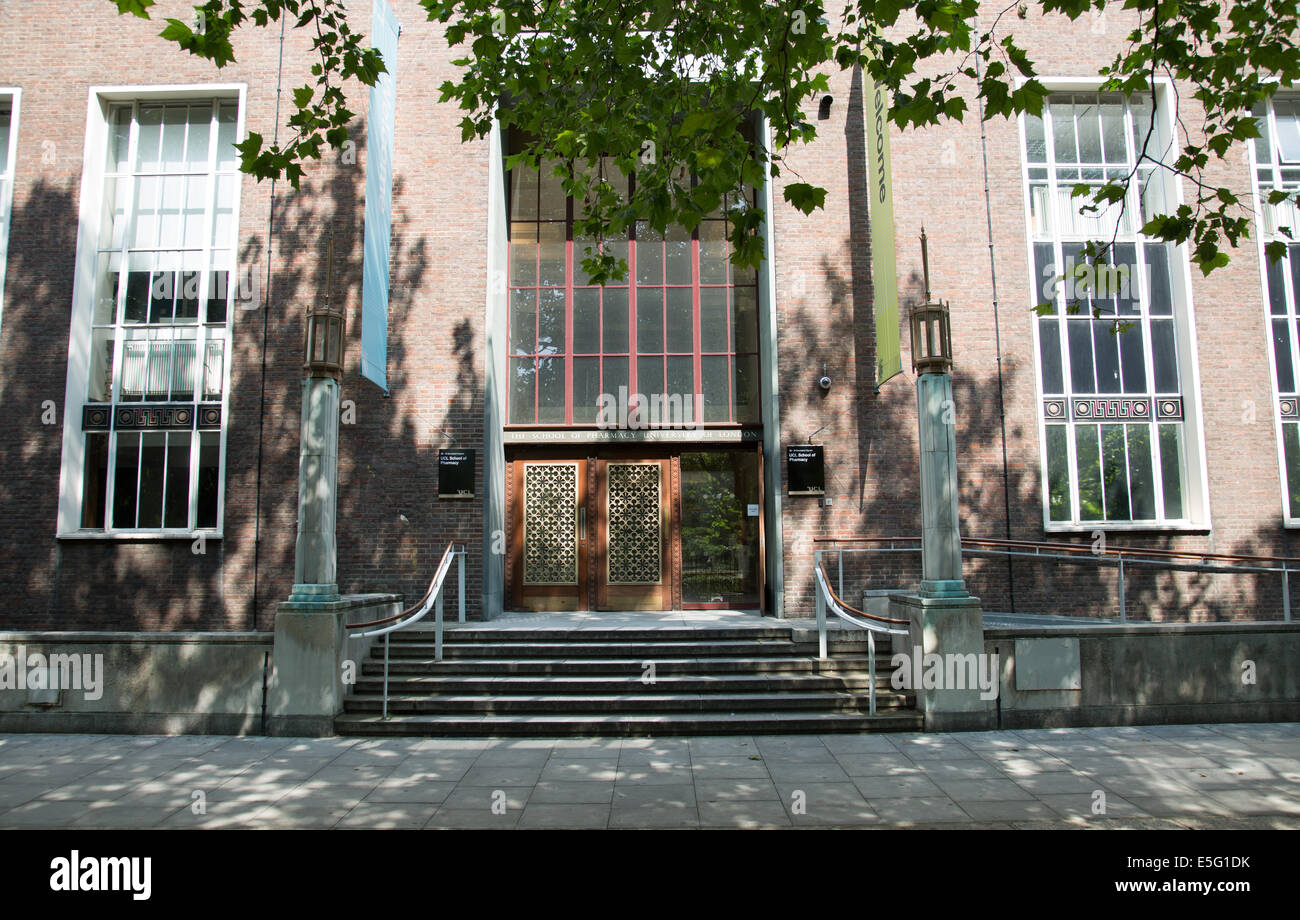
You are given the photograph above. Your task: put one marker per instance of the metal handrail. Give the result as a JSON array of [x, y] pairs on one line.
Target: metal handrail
[[411, 615], [1110, 556], [828, 597]]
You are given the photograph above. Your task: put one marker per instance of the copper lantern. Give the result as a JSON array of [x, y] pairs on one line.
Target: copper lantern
[[325, 333], [931, 332]]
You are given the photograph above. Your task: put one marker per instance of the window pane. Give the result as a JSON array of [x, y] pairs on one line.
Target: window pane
[[209, 478], [227, 155], [523, 194], [649, 256], [94, 481], [1063, 133], [1164, 356], [1282, 355], [1291, 448], [1106, 347], [650, 377], [551, 254], [1035, 140], [1276, 290], [678, 248], [523, 254], [1171, 470], [745, 336], [550, 322], [1159, 292], [177, 506], [218, 296], [681, 383], [101, 366], [148, 139], [745, 395], [586, 321], [681, 321], [1088, 461], [713, 319], [586, 389], [1133, 359], [615, 376], [1045, 273], [136, 309], [214, 369], [550, 390], [1058, 473], [713, 252], [1089, 128], [1115, 471], [1112, 133], [649, 320], [1141, 481], [1080, 341], [614, 328], [1287, 112], [119, 138], [1049, 347], [523, 373], [716, 388], [1123, 279], [152, 457], [552, 204], [125, 480]]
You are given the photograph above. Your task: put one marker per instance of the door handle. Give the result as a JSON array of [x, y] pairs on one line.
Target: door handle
[[582, 522]]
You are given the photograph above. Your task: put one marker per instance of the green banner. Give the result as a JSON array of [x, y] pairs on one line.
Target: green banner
[[884, 272]]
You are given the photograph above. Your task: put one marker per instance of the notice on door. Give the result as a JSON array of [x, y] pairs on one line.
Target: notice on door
[[455, 474], [805, 467]]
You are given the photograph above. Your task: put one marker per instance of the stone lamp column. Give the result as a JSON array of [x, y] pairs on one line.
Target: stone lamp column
[[941, 574], [316, 552]]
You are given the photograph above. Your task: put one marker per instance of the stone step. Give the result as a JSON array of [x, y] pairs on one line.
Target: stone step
[[541, 704], [632, 683], [564, 650], [596, 724], [624, 666], [424, 633]]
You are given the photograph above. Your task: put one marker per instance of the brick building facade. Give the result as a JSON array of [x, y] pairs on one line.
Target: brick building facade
[[970, 185]]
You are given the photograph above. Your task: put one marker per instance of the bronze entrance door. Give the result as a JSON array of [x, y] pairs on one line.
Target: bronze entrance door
[[634, 521], [591, 534], [548, 551]]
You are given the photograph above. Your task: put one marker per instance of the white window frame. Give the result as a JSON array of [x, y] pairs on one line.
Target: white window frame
[[1261, 240], [14, 96], [71, 486], [1196, 484]]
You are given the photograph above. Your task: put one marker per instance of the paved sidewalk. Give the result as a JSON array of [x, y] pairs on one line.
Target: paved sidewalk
[[1186, 776]]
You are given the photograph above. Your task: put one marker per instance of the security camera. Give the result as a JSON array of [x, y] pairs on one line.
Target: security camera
[[824, 383]]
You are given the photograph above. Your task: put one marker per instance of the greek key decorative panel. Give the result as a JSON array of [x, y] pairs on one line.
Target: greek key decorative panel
[[1169, 408], [133, 417], [1105, 408], [635, 524], [551, 524]]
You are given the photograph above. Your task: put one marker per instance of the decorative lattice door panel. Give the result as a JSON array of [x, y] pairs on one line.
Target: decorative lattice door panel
[[632, 571], [548, 560]]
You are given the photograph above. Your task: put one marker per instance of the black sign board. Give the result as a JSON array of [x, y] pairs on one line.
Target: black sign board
[[805, 467], [455, 474]]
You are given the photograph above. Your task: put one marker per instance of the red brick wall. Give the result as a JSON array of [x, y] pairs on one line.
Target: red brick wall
[[391, 527]]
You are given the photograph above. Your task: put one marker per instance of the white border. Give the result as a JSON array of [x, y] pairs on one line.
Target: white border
[[1196, 486], [92, 183], [15, 96]]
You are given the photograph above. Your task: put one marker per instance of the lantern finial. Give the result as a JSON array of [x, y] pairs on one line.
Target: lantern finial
[[925, 263]]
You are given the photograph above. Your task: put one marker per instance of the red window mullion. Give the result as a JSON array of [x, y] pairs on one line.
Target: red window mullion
[[568, 326], [695, 324], [632, 353]]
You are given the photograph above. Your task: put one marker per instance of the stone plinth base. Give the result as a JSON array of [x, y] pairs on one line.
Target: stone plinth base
[[955, 682], [313, 656]]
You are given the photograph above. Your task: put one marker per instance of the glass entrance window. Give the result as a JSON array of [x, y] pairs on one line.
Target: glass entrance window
[[680, 332], [719, 526]]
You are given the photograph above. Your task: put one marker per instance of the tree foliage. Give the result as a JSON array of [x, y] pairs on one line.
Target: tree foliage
[[666, 88]]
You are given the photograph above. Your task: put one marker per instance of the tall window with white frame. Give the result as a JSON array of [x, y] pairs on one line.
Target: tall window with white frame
[[6, 184], [1108, 352], [1277, 168], [160, 337]]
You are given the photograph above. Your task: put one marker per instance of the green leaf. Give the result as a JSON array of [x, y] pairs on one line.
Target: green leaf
[[807, 198]]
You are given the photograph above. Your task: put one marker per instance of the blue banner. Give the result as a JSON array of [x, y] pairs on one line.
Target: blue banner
[[379, 200]]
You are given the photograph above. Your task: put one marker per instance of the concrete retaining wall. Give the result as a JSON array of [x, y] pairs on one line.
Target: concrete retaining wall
[[1147, 674], [168, 683]]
